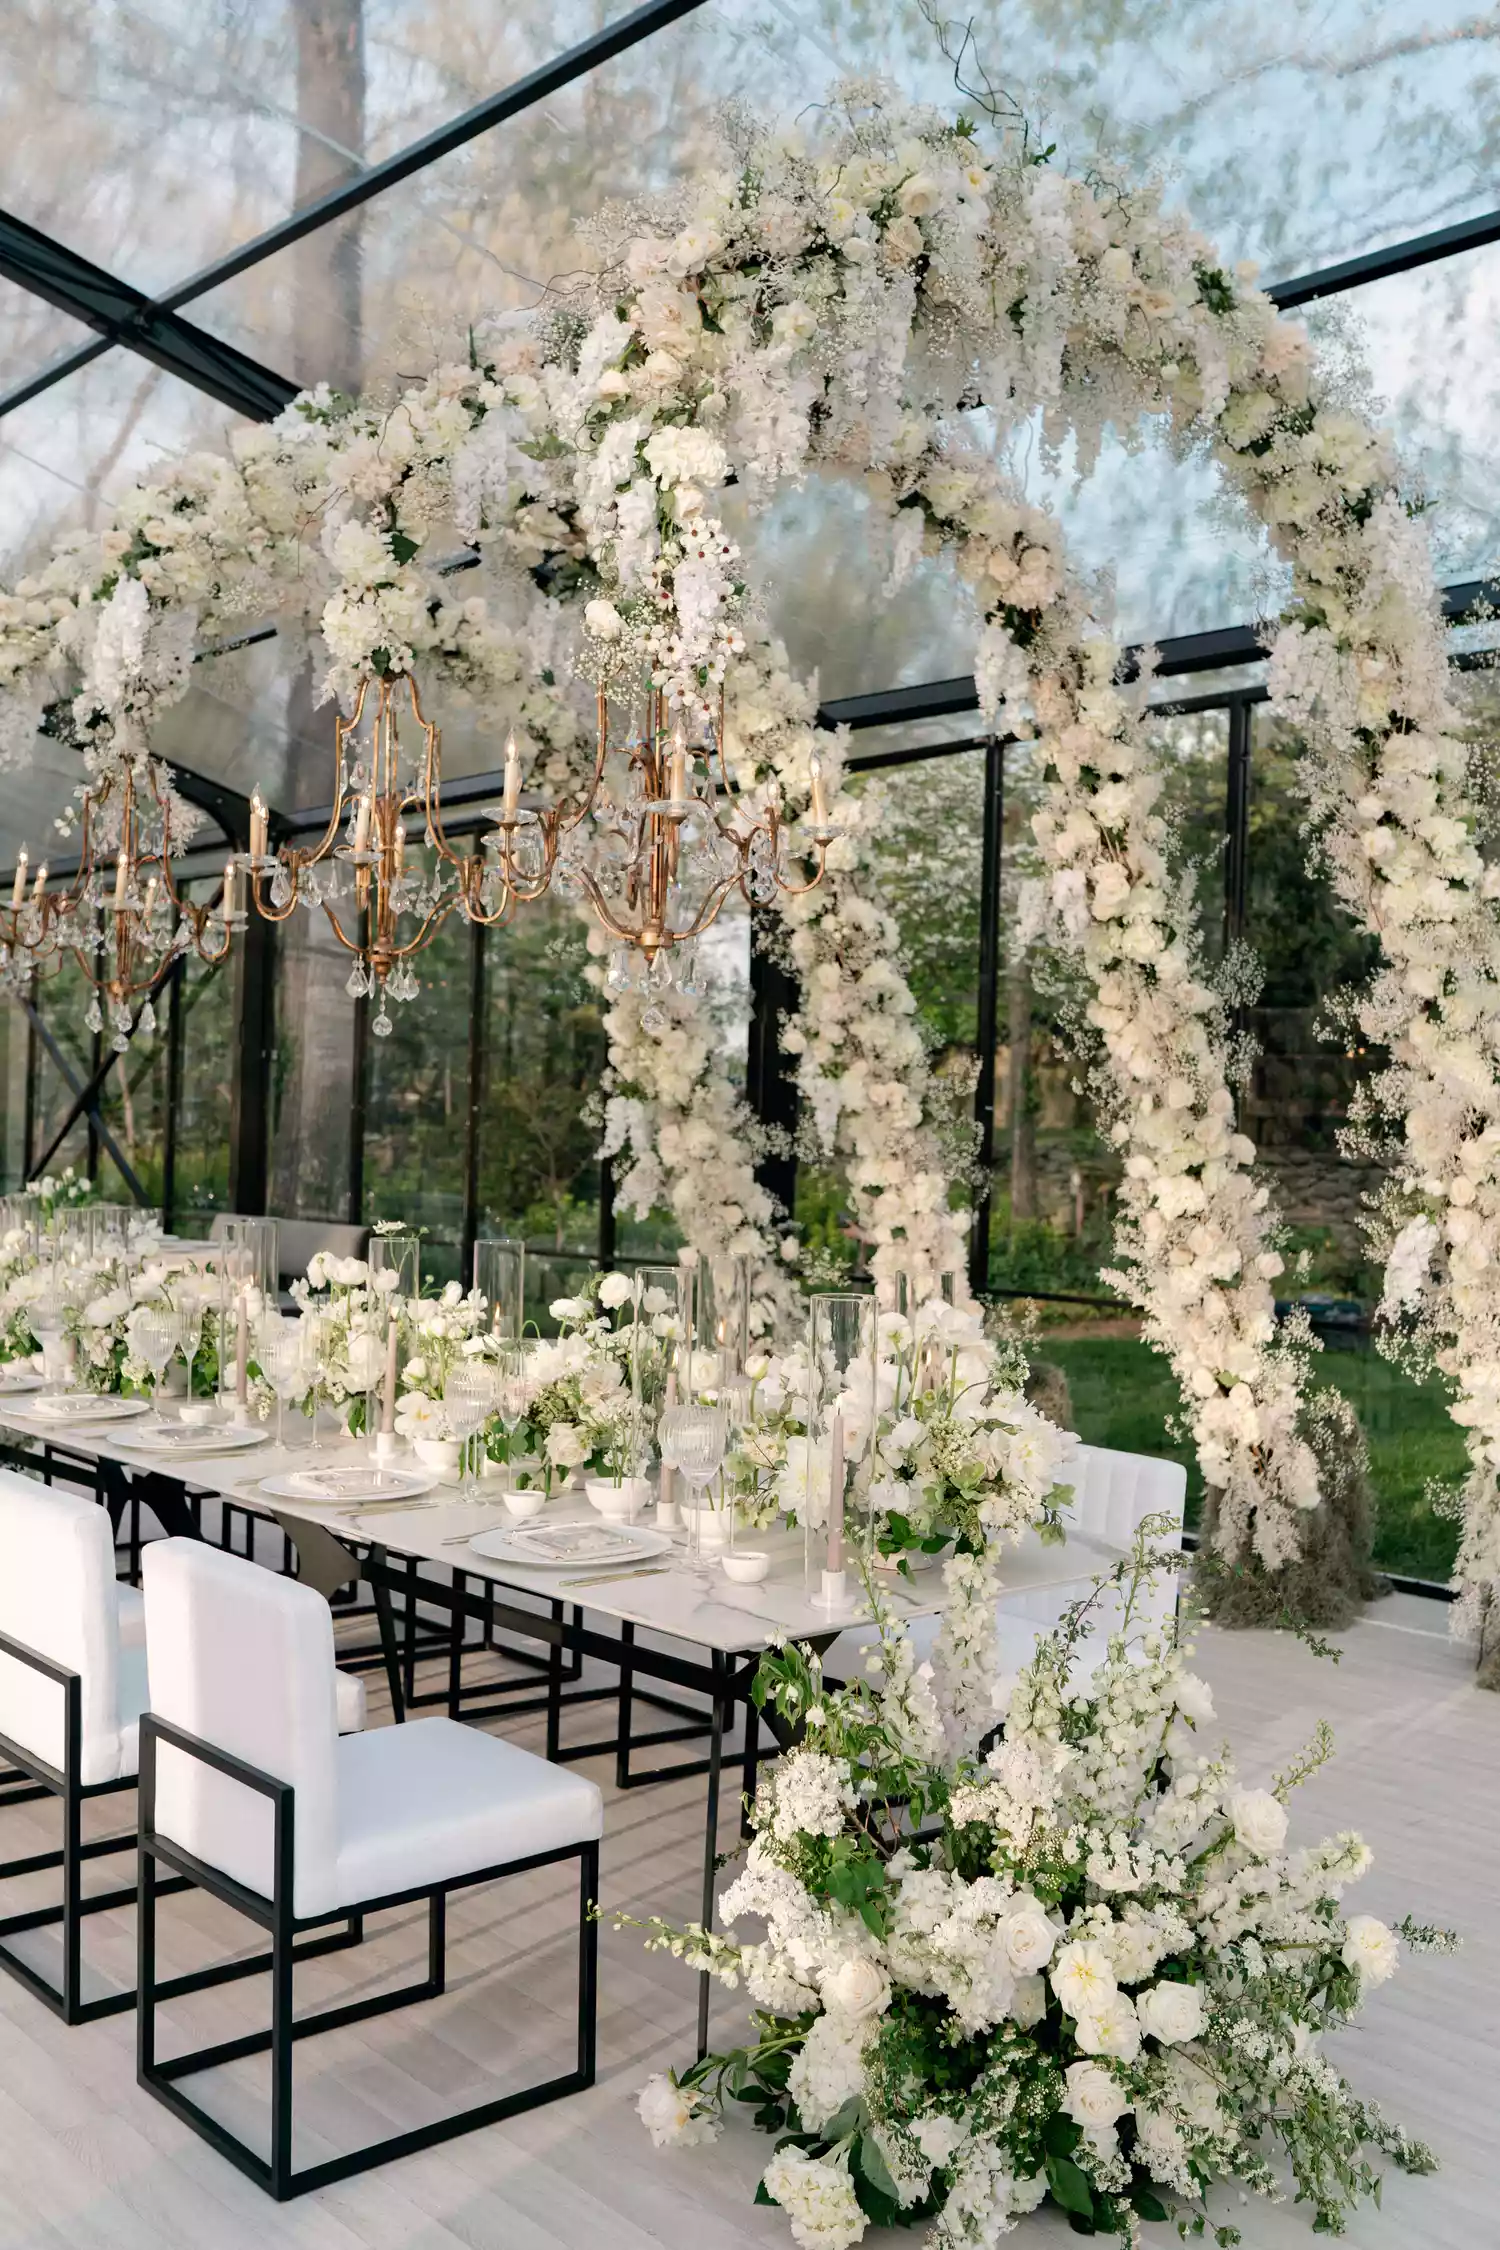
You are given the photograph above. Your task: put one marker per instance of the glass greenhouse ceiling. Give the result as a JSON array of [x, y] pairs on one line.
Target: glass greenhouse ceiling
[[170, 143]]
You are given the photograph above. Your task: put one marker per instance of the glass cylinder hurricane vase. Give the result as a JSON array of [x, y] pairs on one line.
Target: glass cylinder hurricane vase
[[400, 1254], [721, 1319], [500, 1278], [661, 1325], [842, 1405]]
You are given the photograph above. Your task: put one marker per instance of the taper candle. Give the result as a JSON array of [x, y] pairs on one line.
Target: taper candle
[[242, 1351], [388, 1403], [836, 1492]]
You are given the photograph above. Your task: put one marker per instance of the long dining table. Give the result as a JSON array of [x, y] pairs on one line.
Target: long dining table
[[679, 1626]]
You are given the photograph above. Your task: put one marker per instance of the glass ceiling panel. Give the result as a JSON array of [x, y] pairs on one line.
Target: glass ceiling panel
[[32, 333], [1426, 342], [66, 454], [153, 136]]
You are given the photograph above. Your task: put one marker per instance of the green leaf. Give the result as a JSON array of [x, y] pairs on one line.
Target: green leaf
[[873, 2165], [1069, 2186], [403, 546], [1061, 2135], [1148, 2206], [847, 2120], [761, 2195]]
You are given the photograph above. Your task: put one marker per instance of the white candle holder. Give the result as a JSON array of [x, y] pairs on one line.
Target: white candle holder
[[387, 1445], [833, 1591]]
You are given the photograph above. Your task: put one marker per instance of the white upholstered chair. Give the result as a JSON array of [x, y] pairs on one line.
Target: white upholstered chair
[[71, 1697], [1113, 1493], [247, 1789]]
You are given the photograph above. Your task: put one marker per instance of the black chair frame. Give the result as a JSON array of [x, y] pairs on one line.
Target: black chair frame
[[277, 1916]]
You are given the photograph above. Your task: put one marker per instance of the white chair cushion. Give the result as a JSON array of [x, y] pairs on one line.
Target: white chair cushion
[[57, 1596], [130, 1607], [135, 1697], [349, 1702], [433, 1800]]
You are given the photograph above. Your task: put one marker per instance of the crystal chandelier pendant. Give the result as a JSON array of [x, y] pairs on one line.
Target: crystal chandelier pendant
[[382, 1026], [358, 983], [146, 1021], [94, 1015]]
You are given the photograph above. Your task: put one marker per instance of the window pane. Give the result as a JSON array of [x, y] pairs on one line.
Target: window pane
[[312, 1084], [32, 333], [1194, 748], [417, 1102], [61, 1000], [207, 1037], [133, 1106], [13, 1043], [544, 1057]]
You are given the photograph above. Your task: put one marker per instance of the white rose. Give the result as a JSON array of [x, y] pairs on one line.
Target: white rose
[[1194, 1698], [1170, 2012], [1082, 1978], [1028, 1936], [614, 1289], [566, 1446], [603, 620], [856, 1988], [1370, 1948], [1110, 2029], [1094, 2098], [672, 2115], [1259, 1821]]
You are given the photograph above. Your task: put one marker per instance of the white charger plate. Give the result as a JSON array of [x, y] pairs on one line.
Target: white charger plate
[[566, 1546], [347, 1487], [87, 1406], [17, 1379], [196, 1437]]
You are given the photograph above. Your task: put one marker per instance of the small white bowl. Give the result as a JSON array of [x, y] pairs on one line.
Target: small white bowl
[[524, 1504], [197, 1413], [747, 1566]]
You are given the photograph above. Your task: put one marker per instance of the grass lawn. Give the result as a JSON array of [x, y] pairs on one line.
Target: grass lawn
[[1123, 1392]]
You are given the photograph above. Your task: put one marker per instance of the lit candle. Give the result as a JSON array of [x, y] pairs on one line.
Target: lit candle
[[388, 1403], [512, 782], [151, 891], [122, 876], [18, 894], [677, 781], [260, 826], [400, 846], [242, 1352], [664, 1489], [362, 821], [39, 885], [819, 801], [231, 885], [836, 1493]]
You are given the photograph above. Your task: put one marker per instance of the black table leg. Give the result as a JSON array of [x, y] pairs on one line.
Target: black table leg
[[711, 1836], [554, 1689], [622, 1722], [375, 1573], [456, 1647]]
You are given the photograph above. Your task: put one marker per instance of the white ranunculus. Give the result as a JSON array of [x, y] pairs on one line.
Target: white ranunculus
[[856, 1988], [1095, 2098], [674, 2116], [1370, 1948], [614, 1289], [1259, 1821], [1170, 2012], [1194, 1698], [1082, 1977]]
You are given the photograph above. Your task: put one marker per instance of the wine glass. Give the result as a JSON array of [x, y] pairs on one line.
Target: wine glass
[[156, 1332], [310, 1335], [278, 1348], [701, 1434], [190, 1320], [512, 1397], [467, 1398]]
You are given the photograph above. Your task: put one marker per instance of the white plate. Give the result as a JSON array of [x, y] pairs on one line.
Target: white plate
[[193, 1437], [20, 1379], [347, 1488], [564, 1546], [87, 1406]]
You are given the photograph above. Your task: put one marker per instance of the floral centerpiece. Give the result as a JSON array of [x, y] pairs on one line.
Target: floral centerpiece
[[1086, 1967], [348, 1308], [20, 1286], [592, 1387], [440, 1333], [66, 1190]]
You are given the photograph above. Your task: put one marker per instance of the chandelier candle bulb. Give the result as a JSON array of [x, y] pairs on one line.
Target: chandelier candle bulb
[[122, 877], [231, 880], [512, 783], [819, 799], [362, 824], [18, 893], [260, 826], [40, 884]]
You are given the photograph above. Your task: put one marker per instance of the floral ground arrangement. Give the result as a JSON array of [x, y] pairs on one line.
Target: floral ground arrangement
[[1085, 1966]]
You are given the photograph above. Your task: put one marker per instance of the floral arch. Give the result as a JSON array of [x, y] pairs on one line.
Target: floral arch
[[848, 300]]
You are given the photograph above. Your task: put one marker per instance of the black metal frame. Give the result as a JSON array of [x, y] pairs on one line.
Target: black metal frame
[[277, 1916]]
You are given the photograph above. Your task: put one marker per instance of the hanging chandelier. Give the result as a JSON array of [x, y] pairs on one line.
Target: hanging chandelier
[[383, 901], [659, 842], [121, 917]]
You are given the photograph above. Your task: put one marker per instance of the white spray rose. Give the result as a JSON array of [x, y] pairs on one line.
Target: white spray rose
[[1370, 1948], [856, 1988], [614, 1290], [1259, 1821], [1170, 2012], [1029, 1936], [1095, 2099]]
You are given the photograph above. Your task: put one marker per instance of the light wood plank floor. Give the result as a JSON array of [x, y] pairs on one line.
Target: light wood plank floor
[[87, 2162]]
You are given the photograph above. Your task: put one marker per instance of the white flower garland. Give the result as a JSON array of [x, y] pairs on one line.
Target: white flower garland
[[843, 304]]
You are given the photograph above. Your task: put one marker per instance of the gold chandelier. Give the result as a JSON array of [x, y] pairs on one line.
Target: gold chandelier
[[659, 842], [383, 903], [122, 917]]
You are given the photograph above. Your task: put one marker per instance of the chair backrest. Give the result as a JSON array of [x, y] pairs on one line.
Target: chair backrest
[[243, 1658], [1113, 1492], [299, 1241], [57, 1596]]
